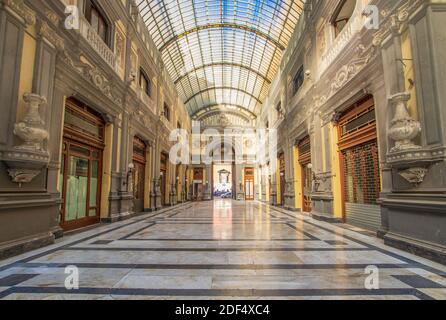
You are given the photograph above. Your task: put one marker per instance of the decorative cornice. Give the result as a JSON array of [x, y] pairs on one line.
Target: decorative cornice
[[21, 9], [93, 74], [48, 33], [394, 22]]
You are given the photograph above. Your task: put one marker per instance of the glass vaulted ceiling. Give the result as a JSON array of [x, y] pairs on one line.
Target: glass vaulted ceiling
[[223, 52]]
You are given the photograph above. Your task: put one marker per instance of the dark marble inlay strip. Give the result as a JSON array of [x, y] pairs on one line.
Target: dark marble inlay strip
[[45, 253], [214, 249], [138, 231], [418, 282], [362, 243], [217, 266], [222, 292], [225, 223], [309, 235], [102, 242], [335, 243], [15, 279], [218, 240]]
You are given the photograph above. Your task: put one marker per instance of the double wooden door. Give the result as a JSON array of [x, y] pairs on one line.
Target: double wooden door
[[249, 184], [304, 148], [139, 174], [80, 180], [81, 166]]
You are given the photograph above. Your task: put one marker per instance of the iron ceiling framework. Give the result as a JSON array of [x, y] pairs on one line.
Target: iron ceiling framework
[[221, 52]]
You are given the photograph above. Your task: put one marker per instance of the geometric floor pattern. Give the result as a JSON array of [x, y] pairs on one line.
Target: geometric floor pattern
[[221, 249]]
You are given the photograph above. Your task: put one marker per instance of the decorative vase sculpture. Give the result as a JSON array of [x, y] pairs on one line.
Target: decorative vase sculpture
[[403, 127], [31, 128]]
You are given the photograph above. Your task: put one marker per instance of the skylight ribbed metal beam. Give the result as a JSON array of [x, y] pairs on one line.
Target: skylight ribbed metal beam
[[221, 51], [215, 108], [222, 88], [221, 26], [224, 64]]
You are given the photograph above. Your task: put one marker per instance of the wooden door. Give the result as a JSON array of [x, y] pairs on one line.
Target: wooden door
[[249, 184], [304, 148], [81, 166], [139, 171]]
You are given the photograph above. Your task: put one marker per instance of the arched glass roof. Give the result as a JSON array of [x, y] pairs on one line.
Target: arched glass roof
[[221, 51]]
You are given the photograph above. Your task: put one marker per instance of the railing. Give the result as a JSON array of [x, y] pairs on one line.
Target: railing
[[355, 24], [97, 43]]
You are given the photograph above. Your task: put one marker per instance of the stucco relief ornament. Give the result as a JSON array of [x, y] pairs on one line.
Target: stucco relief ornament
[[414, 176], [224, 121], [31, 128], [403, 127], [21, 176]]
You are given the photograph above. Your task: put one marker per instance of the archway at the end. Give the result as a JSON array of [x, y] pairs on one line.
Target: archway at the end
[[223, 171]]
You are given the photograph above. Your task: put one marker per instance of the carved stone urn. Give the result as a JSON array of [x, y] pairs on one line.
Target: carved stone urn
[[403, 127], [27, 160], [31, 128]]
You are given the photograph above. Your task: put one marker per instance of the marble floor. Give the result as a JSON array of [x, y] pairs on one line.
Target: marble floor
[[221, 250]]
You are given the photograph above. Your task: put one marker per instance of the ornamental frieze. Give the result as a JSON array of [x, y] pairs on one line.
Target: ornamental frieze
[[93, 74], [21, 9], [48, 33], [393, 23]]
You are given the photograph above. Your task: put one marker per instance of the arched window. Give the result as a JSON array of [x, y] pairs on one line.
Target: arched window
[[343, 14], [96, 19], [144, 82]]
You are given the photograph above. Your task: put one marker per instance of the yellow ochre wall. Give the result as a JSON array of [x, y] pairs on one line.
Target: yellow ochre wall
[[297, 179], [278, 191], [26, 69], [106, 169], [336, 172]]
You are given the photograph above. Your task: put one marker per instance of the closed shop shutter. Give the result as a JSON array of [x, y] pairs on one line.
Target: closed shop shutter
[[362, 185], [360, 166]]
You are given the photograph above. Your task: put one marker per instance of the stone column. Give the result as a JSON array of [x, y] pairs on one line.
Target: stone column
[[240, 183], [273, 179], [289, 194], [126, 184], [155, 196], [412, 213], [207, 184], [173, 182]]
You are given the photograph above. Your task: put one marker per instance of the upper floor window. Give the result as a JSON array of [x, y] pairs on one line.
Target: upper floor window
[[166, 111], [96, 19], [343, 14], [144, 83], [298, 80]]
